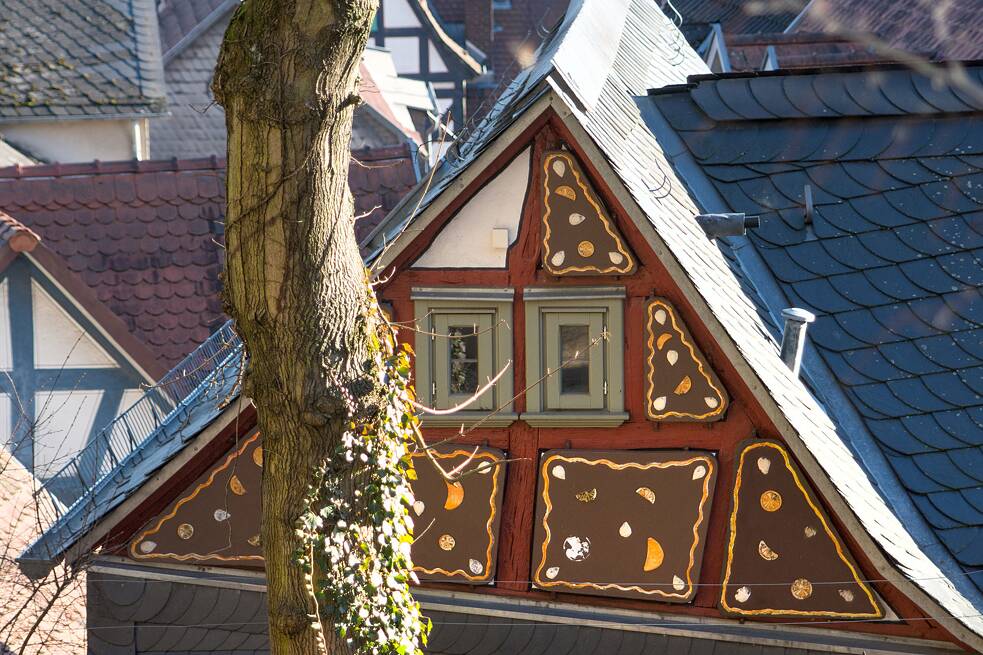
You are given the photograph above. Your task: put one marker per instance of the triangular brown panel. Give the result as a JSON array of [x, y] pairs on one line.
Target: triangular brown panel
[[680, 385], [216, 520], [456, 523], [784, 558], [578, 235]]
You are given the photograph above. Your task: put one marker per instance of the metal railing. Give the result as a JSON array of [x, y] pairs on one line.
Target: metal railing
[[131, 429]]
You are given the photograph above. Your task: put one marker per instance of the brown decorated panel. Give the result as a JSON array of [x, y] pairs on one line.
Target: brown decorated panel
[[783, 556], [680, 385], [578, 235], [624, 523], [456, 524], [216, 520]]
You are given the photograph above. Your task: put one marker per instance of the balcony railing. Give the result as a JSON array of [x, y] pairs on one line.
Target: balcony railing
[[131, 429]]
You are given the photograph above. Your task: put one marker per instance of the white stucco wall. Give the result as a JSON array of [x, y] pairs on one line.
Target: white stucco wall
[[466, 241], [61, 342], [79, 141], [64, 421]]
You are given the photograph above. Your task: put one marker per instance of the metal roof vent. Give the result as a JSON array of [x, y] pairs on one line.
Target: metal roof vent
[[727, 225], [797, 320]]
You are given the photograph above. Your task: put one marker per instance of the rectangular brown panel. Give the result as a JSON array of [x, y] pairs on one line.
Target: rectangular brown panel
[[622, 523], [456, 523]]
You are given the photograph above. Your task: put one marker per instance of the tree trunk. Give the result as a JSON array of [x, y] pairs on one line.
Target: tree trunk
[[294, 280]]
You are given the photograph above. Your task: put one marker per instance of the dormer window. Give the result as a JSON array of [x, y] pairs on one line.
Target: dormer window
[[574, 352]]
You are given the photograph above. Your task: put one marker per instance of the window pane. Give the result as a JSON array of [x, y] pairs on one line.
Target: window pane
[[575, 375], [463, 344]]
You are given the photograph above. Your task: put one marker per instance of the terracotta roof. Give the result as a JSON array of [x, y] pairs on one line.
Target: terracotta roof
[[145, 236], [15, 235], [62, 629], [747, 52], [81, 58], [142, 235], [379, 178]]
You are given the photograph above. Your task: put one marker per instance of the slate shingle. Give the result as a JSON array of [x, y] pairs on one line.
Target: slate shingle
[[81, 58], [897, 250]]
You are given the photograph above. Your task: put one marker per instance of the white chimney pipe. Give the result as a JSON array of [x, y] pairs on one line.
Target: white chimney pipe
[[797, 320]]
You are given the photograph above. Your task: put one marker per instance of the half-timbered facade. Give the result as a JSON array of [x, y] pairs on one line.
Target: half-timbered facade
[[648, 473], [422, 49]]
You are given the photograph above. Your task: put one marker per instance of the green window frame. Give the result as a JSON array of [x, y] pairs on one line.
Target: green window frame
[[464, 339], [589, 390]]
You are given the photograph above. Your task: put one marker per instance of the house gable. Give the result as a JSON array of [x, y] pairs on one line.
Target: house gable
[[66, 377], [741, 415]]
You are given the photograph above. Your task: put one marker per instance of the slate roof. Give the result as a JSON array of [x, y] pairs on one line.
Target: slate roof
[[143, 236], [734, 16], [942, 31], [79, 58], [194, 126], [891, 261], [179, 19], [635, 49], [599, 64]]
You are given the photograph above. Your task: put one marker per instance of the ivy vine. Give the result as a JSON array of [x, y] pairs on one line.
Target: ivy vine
[[357, 530]]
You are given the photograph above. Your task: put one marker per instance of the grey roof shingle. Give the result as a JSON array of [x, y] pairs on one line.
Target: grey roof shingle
[[195, 126], [891, 261], [79, 58], [179, 18]]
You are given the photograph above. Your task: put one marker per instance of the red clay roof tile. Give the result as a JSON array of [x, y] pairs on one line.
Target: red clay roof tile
[[145, 236]]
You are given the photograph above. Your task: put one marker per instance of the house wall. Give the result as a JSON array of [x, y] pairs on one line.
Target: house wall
[[67, 141]]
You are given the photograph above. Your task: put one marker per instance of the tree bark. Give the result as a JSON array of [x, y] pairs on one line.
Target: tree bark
[[294, 280]]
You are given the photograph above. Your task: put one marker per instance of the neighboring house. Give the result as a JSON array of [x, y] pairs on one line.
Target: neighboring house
[[396, 110], [81, 79], [109, 275], [507, 33], [674, 483], [422, 49]]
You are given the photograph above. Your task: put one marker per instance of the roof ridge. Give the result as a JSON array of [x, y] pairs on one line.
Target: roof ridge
[[17, 236], [819, 70], [98, 167]]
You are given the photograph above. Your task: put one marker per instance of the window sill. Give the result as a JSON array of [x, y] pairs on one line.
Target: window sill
[[469, 419], [586, 419]]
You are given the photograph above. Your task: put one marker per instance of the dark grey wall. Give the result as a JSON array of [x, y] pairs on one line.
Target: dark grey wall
[[152, 617], [132, 615]]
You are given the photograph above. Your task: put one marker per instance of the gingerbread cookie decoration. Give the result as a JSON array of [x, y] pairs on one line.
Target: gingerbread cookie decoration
[[578, 235], [784, 558], [455, 524], [621, 523], [680, 385], [216, 521]]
